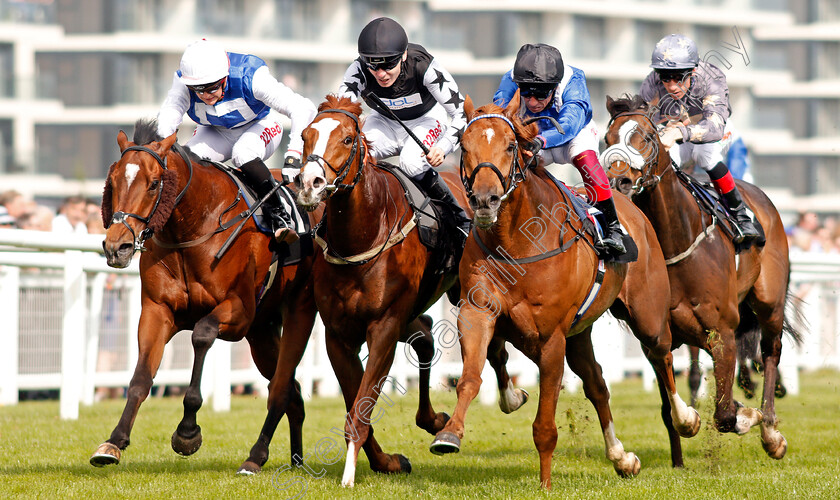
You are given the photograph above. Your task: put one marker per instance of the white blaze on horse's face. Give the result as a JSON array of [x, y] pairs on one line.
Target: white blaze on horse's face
[[312, 170], [489, 135], [131, 170], [622, 150]]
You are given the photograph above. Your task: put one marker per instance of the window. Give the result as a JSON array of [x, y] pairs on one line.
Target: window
[[589, 37]]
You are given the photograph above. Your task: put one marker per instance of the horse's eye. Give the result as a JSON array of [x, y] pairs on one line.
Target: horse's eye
[[348, 140], [154, 185], [511, 147]]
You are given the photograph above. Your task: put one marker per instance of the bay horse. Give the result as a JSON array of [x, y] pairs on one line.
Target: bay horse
[[373, 279], [161, 199], [716, 293], [526, 276]]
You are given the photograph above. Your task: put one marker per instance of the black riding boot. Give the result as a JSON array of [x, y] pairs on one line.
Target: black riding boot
[[744, 223], [612, 239], [260, 179], [434, 186]]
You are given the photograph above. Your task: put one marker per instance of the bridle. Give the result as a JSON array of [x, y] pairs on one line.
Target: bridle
[[517, 172], [121, 217], [358, 147], [649, 179]]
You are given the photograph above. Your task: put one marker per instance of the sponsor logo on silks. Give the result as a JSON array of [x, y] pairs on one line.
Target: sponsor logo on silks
[[403, 102]]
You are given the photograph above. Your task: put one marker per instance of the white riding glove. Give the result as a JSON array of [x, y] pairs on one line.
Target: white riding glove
[[669, 136]]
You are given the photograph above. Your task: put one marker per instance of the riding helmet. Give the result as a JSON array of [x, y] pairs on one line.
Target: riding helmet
[[382, 38], [674, 52], [538, 63], [204, 62]]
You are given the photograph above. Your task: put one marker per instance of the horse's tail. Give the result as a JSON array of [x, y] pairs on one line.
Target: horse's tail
[[794, 318], [748, 328]]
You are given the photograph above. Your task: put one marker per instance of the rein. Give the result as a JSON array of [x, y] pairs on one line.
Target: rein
[[517, 172], [121, 217]]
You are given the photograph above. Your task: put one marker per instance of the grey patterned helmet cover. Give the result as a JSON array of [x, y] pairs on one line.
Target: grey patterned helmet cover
[[674, 52]]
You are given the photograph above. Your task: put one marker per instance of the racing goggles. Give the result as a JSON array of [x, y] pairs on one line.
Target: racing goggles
[[209, 88], [673, 75], [384, 63], [539, 92]]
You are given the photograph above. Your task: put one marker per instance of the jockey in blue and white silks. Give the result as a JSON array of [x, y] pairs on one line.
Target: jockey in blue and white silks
[[236, 103]]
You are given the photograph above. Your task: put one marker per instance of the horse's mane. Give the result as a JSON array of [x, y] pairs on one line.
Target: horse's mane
[[344, 103], [524, 133], [625, 104]]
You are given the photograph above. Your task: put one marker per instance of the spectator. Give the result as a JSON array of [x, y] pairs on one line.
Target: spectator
[[12, 206], [37, 219], [71, 216]]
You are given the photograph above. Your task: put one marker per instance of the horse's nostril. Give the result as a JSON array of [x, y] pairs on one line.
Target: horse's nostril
[[473, 201], [624, 185], [494, 200], [319, 182]]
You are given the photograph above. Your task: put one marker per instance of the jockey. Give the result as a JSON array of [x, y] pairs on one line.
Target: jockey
[[236, 102], [550, 88], [421, 93], [692, 98]]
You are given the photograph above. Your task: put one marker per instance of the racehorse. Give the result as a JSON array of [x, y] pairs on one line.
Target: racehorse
[[372, 280], [716, 294], [177, 209], [526, 277]]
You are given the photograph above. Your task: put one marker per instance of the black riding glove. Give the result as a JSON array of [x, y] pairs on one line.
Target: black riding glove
[[291, 168]]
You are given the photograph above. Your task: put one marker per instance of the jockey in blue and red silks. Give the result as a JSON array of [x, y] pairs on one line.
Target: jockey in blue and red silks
[[548, 87]]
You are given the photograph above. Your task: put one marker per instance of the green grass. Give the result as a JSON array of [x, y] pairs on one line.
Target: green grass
[[42, 456]]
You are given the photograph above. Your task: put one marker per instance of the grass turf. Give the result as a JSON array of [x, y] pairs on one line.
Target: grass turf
[[42, 456]]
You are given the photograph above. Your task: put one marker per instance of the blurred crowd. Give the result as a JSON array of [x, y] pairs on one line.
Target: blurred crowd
[[75, 214], [812, 234]]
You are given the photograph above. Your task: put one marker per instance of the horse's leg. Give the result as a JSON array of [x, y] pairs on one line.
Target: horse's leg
[[422, 342], [155, 328], [695, 374], [477, 330], [283, 390], [729, 416], [186, 439], [360, 388], [744, 360], [581, 359], [544, 427], [771, 321], [510, 398]]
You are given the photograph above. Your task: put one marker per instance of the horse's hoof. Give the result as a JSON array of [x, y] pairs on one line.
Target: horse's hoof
[[186, 446], [629, 471], [405, 464], [445, 442], [106, 454], [774, 444], [690, 430], [248, 468], [746, 418], [781, 391]]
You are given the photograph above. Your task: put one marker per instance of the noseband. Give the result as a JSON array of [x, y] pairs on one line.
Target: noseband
[[648, 179], [122, 217], [517, 172], [358, 147]]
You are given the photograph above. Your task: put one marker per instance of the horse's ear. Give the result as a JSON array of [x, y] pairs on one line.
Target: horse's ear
[[469, 107], [168, 142], [512, 109], [122, 140], [610, 102]]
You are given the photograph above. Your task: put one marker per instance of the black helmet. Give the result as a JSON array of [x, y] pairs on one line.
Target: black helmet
[[539, 63], [382, 38]]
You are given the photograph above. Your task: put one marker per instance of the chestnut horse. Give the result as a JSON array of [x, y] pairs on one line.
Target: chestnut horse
[[158, 188], [373, 279], [716, 294], [533, 288]]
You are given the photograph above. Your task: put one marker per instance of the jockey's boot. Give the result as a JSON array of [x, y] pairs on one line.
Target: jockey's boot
[[725, 186], [743, 222], [611, 242], [434, 186], [261, 181]]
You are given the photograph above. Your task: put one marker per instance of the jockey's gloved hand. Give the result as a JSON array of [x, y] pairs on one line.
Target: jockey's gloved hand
[[534, 145], [669, 136], [291, 168]]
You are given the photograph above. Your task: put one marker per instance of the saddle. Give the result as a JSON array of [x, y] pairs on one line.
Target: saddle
[[434, 222], [594, 222], [283, 254], [710, 202]]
